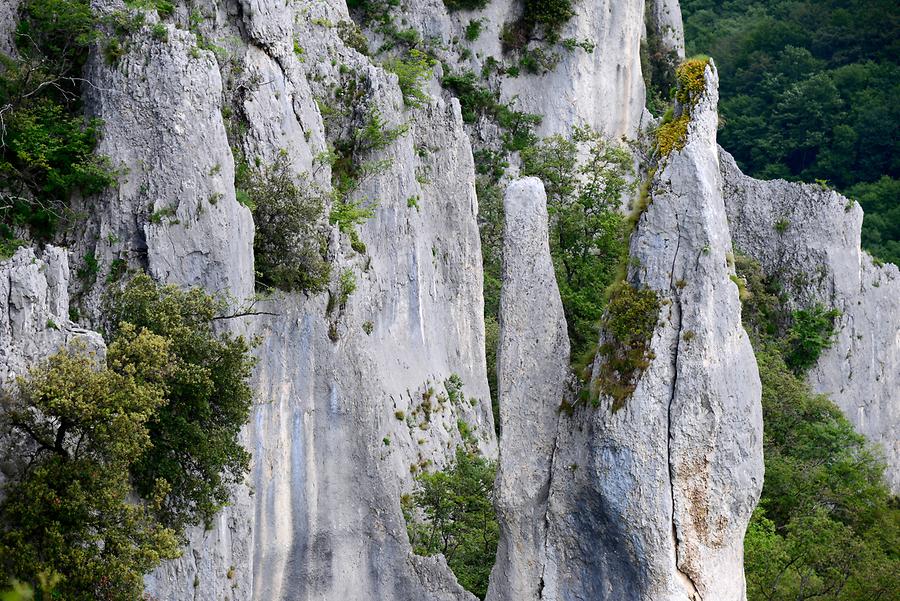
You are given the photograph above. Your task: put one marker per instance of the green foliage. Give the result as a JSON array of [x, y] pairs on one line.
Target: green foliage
[[196, 456], [453, 5], [826, 526], [808, 92], [353, 37], [881, 222], [628, 327], [290, 242], [46, 146], [474, 98], [811, 332], [691, 82], [412, 72], [69, 510], [346, 287], [473, 30], [588, 235], [549, 15], [451, 512]]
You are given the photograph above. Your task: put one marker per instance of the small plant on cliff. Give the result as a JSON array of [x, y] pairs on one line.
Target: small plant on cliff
[[290, 242], [691, 81], [627, 327], [412, 71], [451, 512]]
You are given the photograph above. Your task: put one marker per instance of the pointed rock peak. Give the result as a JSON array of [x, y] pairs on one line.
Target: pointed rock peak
[[695, 114]]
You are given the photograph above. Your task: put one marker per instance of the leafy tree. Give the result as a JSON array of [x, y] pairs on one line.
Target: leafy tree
[[451, 512], [196, 456], [69, 511], [588, 236]]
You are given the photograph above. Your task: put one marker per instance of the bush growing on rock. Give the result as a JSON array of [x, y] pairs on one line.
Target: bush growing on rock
[[451, 512], [290, 243]]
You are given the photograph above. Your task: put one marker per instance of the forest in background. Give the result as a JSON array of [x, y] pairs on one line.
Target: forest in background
[[809, 93]]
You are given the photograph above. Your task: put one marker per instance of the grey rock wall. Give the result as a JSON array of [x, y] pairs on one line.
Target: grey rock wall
[[817, 258], [651, 501], [532, 370]]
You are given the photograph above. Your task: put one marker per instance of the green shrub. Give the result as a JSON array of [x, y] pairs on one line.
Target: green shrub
[[811, 332], [473, 30], [465, 4], [459, 519], [412, 74], [196, 457], [290, 242], [353, 37], [628, 326], [474, 99]]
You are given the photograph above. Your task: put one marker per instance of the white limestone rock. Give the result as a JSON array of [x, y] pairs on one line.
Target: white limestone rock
[[532, 371], [817, 258], [34, 312]]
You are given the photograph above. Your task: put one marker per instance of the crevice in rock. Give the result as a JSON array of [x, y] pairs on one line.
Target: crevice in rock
[[693, 593]]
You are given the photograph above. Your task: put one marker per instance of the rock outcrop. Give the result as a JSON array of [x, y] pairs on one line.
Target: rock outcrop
[[649, 501], [353, 389], [808, 238], [532, 371], [34, 312]]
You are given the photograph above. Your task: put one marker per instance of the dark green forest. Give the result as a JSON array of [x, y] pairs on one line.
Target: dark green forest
[[809, 92]]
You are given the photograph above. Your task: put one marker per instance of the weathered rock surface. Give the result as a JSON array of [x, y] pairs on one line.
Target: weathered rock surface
[[817, 258], [8, 19], [651, 501], [34, 314], [532, 370], [646, 503]]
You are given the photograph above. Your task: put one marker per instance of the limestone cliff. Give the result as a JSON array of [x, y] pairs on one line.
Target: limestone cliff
[[649, 501]]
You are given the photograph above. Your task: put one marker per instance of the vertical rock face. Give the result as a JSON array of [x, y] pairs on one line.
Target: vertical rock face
[[532, 366], [650, 501], [34, 314], [664, 21], [817, 258], [710, 408]]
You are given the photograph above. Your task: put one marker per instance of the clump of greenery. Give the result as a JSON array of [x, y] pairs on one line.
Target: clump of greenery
[[46, 146], [350, 156], [451, 512], [588, 234], [811, 332], [353, 37], [196, 456], [826, 526], [473, 30], [691, 80], [672, 134], [628, 326], [69, 510], [412, 71], [290, 242], [465, 4]]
